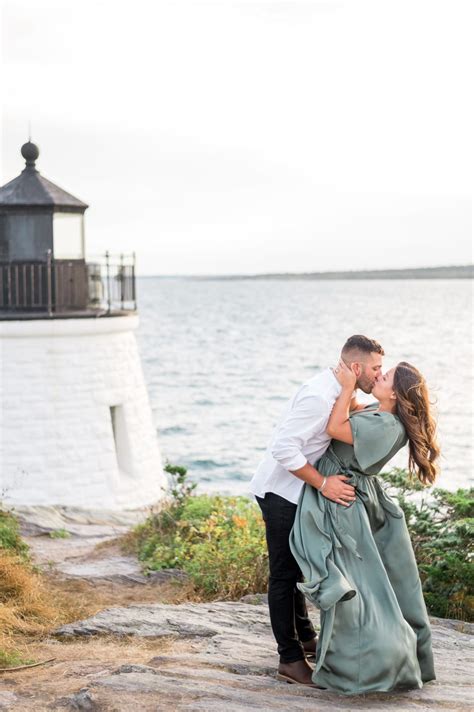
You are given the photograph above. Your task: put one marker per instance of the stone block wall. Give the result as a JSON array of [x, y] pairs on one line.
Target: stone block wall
[[59, 380]]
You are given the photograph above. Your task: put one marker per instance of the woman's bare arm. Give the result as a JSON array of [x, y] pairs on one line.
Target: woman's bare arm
[[338, 426]]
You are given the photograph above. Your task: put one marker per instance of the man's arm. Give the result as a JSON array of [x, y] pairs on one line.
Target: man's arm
[[308, 415], [335, 489]]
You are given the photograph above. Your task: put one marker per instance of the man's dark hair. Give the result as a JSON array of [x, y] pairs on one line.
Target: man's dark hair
[[363, 344]]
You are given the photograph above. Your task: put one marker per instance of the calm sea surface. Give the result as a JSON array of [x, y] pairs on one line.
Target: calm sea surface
[[222, 357]]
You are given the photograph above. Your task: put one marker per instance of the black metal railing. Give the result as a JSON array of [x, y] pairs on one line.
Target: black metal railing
[[102, 284], [112, 282]]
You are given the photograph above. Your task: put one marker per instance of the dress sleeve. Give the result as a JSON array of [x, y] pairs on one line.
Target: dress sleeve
[[374, 435]]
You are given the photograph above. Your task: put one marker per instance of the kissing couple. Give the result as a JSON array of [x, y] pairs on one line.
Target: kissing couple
[[334, 535]]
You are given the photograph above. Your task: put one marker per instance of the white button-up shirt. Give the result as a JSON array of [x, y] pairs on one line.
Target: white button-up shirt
[[299, 437]]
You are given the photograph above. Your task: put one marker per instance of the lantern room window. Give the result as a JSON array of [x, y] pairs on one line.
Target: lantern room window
[[68, 236]]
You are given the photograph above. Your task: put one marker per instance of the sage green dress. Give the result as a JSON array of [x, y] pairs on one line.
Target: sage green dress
[[360, 570]]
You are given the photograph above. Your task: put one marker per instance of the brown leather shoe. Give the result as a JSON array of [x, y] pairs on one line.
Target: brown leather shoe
[[309, 647], [298, 672]]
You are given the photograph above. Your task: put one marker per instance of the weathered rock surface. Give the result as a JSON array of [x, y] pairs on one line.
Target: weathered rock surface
[[235, 633], [189, 657], [77, 554], [78, 543], [82, 700], [114, 567], [231, 663], [42, 519], [7, 700]]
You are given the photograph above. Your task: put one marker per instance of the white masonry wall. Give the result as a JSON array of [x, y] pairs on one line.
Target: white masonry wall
[[59, 380]]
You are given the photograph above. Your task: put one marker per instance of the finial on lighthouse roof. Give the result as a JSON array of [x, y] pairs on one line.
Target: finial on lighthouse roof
[[30, 189], [30, 153]]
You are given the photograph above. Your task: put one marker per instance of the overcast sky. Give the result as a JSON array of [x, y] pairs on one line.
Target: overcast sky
[[243, 136]]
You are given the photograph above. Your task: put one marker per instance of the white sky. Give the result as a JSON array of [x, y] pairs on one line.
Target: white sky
[[243, 136]]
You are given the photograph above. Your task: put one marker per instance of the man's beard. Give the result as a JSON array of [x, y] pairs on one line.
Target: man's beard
[[365, 384]]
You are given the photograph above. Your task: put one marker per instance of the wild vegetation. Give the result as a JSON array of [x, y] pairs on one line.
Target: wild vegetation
[[441, 525], [26, 605], [220, 541], [10, 539]]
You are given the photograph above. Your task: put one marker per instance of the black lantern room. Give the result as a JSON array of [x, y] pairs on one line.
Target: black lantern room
[[43, 269], [37, 218]]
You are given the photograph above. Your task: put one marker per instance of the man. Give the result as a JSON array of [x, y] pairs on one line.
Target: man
[[299, 440]]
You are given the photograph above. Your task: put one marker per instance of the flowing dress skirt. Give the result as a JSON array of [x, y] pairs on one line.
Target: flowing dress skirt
[[360, 571]]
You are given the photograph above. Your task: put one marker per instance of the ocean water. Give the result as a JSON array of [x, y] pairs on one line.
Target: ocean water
[[222, 357]]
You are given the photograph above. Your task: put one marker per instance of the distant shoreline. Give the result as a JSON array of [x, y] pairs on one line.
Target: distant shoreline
[[453, 272]]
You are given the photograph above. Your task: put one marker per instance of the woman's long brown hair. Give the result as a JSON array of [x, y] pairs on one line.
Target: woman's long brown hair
[[413, 409]]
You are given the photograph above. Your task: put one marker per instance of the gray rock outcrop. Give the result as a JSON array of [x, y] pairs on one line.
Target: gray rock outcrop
[[230, 662]]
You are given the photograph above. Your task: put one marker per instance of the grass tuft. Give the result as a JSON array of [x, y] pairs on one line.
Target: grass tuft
[[27, 606]]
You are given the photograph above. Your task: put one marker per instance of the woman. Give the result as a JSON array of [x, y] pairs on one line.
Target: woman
[[358, 561]]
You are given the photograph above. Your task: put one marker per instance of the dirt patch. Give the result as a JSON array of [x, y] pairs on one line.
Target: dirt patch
[[75, 663], [90, 597], [75, 597]]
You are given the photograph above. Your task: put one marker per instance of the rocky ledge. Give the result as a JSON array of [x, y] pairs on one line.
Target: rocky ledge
[[228, 662]]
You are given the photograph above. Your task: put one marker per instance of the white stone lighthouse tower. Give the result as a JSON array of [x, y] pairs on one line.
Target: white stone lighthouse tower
[[76, 426]]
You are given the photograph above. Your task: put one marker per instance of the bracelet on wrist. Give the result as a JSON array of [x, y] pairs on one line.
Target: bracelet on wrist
[[323, 485]]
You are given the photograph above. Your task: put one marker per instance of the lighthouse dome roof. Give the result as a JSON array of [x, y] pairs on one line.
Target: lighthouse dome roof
[[30, 188]]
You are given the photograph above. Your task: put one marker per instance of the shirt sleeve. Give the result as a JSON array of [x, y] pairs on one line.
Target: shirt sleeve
[[308, 416], [374, 435]]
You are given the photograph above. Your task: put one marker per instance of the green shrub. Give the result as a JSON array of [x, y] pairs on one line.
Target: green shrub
[[10, 535], [218, 541], [441, 526], [12, 658]]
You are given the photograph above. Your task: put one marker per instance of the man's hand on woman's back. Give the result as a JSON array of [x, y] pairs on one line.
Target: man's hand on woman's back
[[337, 490]]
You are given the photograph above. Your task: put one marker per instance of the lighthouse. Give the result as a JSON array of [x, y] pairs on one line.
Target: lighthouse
[[76, 427]]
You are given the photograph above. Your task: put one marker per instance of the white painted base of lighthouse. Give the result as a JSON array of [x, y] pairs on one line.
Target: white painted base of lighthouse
[[76, 426]]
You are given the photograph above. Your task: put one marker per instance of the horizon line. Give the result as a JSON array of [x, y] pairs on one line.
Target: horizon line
[[328, 273]]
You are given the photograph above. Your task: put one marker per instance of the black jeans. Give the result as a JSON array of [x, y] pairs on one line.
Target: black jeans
[[288, 613]]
